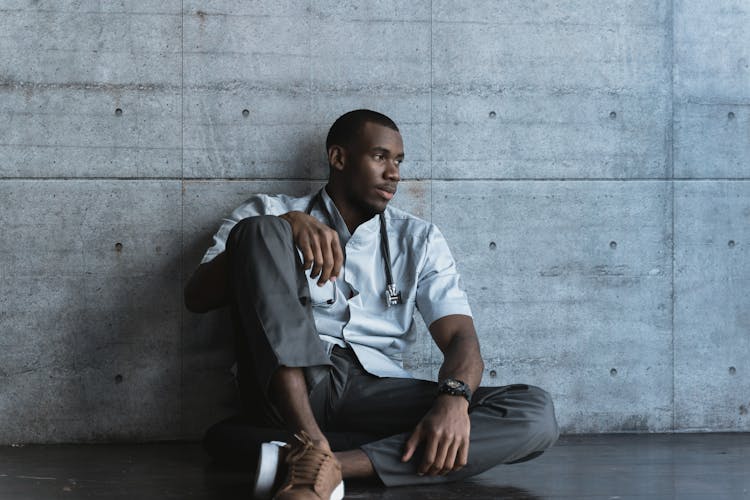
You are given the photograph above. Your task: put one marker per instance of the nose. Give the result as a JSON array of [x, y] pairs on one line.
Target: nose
[[392, 171]]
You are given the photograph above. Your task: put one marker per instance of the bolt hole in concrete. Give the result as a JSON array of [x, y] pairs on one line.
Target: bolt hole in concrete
[[118, 379], [730, 115], [612, 245], [493, 114], [613, 115], [732, 370], [118, 247], [493, 373], [613, 372], [493, 246], [118, 112], [731, 243], [245, 113]]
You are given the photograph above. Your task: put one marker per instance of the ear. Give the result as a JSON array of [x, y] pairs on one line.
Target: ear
[[337, 157]]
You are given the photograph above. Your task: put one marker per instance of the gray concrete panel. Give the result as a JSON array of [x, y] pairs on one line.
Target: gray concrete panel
[[712, 51], [90, 299], [50, 130], [249, 134], [647, 13], [136, 7], [585, 57], [372, 55], [711, 141], [73, 44], [248, 8], [90, 90], [570, 285], [535, 90], [712, 317], [226, 50], [247, 100], [542, 135], [378, 11]]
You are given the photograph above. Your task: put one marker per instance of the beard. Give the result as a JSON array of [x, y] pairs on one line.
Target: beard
[[366, 208]]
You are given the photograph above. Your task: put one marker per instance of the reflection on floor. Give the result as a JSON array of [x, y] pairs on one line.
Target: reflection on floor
[[644, 466]]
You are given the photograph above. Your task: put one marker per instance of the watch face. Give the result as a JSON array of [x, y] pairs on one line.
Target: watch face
[[455, 388]]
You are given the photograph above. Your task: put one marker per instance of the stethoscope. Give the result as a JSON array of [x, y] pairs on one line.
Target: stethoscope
[[392, 294]]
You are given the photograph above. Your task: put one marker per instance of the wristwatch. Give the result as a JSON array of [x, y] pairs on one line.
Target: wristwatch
[[454, 387]]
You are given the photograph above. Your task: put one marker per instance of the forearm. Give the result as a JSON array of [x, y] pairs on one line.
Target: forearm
[[463, 360], [207, 288], [447, 426]]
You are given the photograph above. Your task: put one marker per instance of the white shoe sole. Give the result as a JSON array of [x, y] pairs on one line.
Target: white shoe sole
[[265, 473], [338, 492]]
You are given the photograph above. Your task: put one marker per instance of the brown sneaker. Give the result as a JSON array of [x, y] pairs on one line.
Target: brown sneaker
[[312, 473]]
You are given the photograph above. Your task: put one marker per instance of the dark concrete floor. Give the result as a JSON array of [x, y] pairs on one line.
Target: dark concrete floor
[[658, 466]]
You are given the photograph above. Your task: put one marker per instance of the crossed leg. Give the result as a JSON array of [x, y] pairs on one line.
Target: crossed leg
[[286, 375]]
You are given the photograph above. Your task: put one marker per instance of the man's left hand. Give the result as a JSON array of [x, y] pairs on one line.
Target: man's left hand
[[444, 430]]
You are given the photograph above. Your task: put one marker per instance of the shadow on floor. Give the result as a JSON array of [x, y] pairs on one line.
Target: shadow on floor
[[449, 491], [635, 466]]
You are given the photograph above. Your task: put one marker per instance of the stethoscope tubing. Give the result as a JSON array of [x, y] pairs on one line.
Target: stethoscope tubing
[[393, 296]]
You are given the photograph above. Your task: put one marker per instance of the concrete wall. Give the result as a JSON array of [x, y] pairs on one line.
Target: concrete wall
[[587, 161]]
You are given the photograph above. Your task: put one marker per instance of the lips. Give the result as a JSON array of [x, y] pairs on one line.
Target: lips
[[386, 192]]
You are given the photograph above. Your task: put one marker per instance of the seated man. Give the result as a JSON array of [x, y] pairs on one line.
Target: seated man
[[323, 290]]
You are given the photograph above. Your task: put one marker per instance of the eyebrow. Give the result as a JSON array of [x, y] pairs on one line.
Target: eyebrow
[[380, 149]]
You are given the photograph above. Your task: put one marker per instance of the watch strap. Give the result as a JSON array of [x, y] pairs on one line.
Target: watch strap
[[454, 387]]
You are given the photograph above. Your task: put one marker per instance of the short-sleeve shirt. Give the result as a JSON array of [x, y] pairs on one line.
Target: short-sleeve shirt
[[352, 311]]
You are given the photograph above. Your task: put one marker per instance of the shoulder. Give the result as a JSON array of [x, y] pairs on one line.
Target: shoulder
[[398, 216], [274, 204], [409, 225], [282, 199]]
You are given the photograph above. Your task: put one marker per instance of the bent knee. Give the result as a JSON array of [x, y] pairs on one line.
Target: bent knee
[[543, 423], [257, 227], [260, 223]]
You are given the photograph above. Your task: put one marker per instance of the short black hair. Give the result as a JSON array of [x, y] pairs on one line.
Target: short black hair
[[347, 127]]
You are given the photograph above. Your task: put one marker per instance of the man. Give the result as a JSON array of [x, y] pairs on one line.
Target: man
[[322, 290]]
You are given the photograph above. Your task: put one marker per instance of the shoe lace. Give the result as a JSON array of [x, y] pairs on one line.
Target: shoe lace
[[306, 461]]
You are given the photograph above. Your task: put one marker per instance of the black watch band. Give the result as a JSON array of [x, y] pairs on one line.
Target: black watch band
[[454, 387]]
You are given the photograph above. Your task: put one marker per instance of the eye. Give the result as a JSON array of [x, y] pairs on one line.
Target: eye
[[379, 156]]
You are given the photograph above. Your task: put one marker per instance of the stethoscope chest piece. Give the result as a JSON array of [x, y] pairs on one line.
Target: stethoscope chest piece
[[392, 296]]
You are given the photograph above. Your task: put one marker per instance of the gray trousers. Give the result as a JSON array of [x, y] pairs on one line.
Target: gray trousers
[[275, 327]]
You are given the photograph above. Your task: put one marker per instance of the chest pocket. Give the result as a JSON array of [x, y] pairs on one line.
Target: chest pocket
[[322, 296]]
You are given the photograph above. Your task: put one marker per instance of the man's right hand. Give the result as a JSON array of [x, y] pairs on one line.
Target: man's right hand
[[319, 244]]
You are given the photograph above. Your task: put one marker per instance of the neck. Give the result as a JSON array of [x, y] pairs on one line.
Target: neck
[[353, 214]]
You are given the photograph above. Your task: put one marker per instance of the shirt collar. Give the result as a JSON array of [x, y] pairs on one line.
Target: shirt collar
[[365, 230]]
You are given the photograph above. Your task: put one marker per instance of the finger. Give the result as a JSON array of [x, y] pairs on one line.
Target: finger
[[440, 456], [317, 257], [338, 255], [327, 252], [450, 458], [307, 253], [429, 455], [411, 446], [463, 455]]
